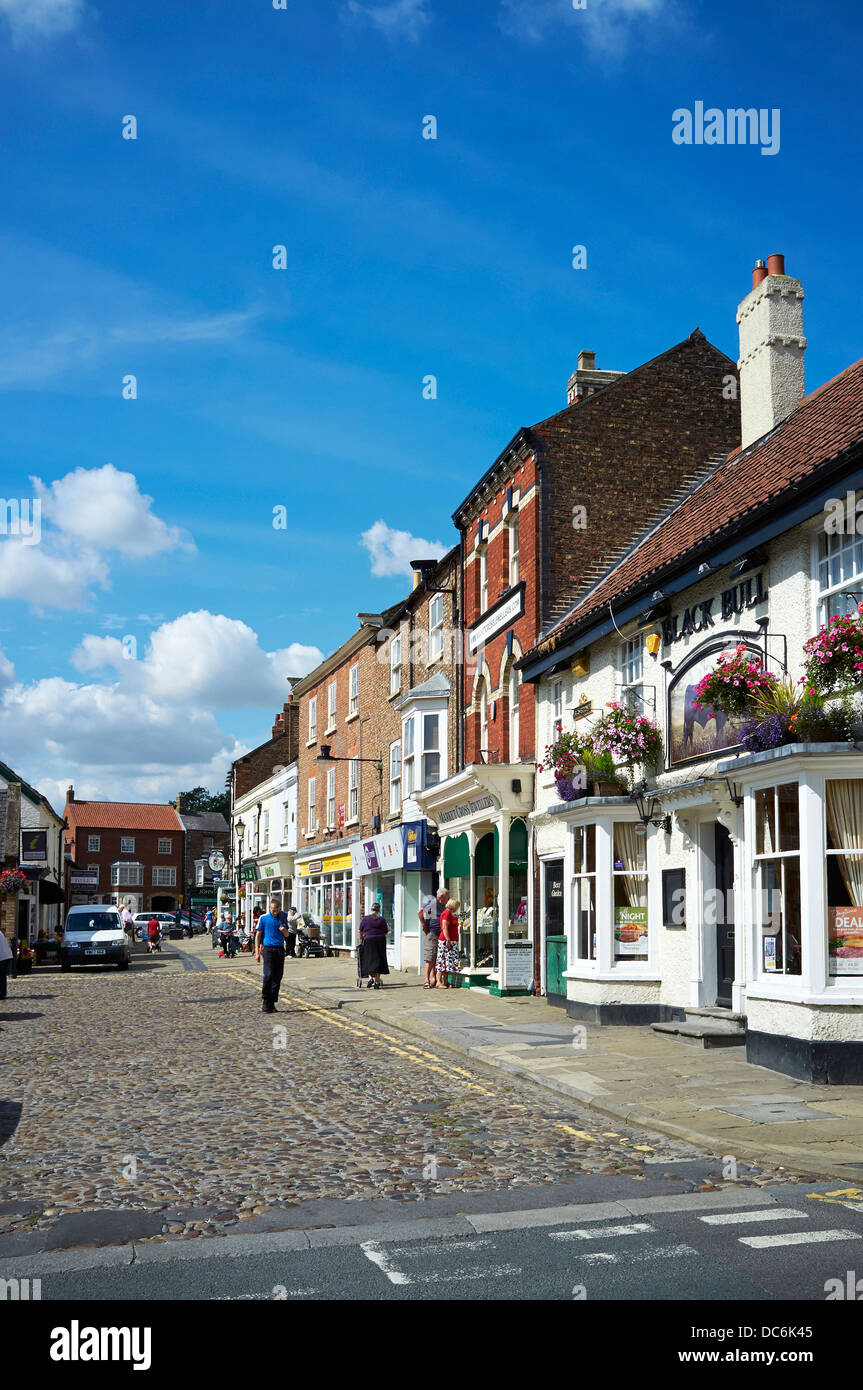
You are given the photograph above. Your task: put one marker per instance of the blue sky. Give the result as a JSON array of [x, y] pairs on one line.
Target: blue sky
[[406, 257]]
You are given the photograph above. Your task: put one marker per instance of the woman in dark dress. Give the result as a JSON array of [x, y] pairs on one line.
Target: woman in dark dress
[[373, 936]]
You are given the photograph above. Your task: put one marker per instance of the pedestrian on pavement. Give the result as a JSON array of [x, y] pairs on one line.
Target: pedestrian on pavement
[[429, 918], [373, 936], [153, 935], [291, 938], [5, 963], [447, 951], [270, 937], [128, 921]]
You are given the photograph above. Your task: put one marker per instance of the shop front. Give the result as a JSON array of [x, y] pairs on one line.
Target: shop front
[[395, 870], [482, 815], [324, 894]]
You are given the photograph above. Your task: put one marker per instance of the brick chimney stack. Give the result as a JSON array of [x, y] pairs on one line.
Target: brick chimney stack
[[772, 345], [179, 803], [587, 379], [70, 793]]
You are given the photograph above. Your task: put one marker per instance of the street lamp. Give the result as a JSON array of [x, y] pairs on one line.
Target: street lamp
[[650, 809], [240, 828], [325, 756]]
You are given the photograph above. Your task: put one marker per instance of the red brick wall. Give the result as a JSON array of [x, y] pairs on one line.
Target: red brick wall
[[146, 847]]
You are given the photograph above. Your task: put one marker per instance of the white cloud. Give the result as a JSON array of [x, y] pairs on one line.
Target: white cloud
[[33, 18], [394, 18], [46, 576], [104, 508], [605, 24], [201, 658], [392, 551], [83, 515], [148, 729]]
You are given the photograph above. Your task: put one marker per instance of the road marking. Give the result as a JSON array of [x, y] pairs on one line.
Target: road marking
[[462, 1275], [416, 1252], [378, 1257], [768, 1214], [582, 1234], [797, 1238], [658, 1252]]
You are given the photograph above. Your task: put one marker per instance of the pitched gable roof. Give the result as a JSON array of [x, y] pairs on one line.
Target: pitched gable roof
[[121, 815], [742, 487]]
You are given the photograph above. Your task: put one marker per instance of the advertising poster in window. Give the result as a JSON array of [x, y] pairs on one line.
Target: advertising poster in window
[[845, 940], [630, 931]]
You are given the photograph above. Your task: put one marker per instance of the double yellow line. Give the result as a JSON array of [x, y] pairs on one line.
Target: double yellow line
[[415, 1054]]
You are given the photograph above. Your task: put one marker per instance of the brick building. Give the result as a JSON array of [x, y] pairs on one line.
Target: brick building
[[563, 498], [125, 852], [378, 721], [263, 791], [31, 841], [205, 832]]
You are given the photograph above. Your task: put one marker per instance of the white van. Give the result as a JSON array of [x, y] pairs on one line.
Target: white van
[[94, 935]]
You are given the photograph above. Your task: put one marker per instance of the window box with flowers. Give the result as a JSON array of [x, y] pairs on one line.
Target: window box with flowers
[[602, 760]]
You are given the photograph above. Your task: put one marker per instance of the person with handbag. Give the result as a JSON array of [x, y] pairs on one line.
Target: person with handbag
[[447, 951], [373, 938]]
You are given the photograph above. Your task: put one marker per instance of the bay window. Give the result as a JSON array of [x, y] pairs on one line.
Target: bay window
[[431, 749], [844, 810], [584, 891], [777, 878], [408, 758], [629, 879], [395, 777]]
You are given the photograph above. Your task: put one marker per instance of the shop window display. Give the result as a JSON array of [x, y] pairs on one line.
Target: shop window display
[[844, 809], [629, 876], [777, 870], [584, 892]]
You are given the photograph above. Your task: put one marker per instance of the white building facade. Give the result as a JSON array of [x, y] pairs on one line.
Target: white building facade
[[729, 885]]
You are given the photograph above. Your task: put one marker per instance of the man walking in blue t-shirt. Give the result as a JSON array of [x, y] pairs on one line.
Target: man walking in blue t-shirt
[[270, 937]]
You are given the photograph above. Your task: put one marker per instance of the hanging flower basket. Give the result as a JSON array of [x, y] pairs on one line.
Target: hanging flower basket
[[834, 656], [12, 881], [734, 683], [627, 737]]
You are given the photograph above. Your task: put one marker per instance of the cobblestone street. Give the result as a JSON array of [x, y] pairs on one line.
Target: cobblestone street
[[164, 1096]]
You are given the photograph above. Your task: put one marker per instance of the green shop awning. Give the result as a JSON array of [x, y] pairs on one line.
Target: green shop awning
[[456, 857], [487, 859]]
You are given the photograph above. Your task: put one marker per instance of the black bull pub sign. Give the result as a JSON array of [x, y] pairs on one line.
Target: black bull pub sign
[[694, 732], [729, 604]]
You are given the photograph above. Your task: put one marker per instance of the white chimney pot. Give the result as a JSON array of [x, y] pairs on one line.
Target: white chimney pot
[[772, 344]]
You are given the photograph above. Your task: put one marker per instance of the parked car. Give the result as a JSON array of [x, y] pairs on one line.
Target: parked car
[[94, 935], [165, 920]]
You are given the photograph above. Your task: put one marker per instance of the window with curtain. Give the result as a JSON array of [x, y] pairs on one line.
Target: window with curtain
[[514, 694], [584, 891], [629, 876], [844, 810], [777, 878]]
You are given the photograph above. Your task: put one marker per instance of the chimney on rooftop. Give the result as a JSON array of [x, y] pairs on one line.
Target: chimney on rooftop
[[771, 349], [70, 793], [587, 379], [179, 803]]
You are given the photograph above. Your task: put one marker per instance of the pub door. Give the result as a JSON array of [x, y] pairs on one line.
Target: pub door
[[724, 861]]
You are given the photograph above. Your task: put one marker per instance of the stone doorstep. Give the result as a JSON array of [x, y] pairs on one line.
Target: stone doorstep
[[721, 1015], [704, 1033]]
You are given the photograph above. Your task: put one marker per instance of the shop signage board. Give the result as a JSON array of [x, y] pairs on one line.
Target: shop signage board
[[83, 878], [216, 861], [34, 846], [517, 965], [379, 852], [413, 844], [467, 808], [630, 931], [249, 872], [727, 605], [502, 615], [845, 940], [334, 864]]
